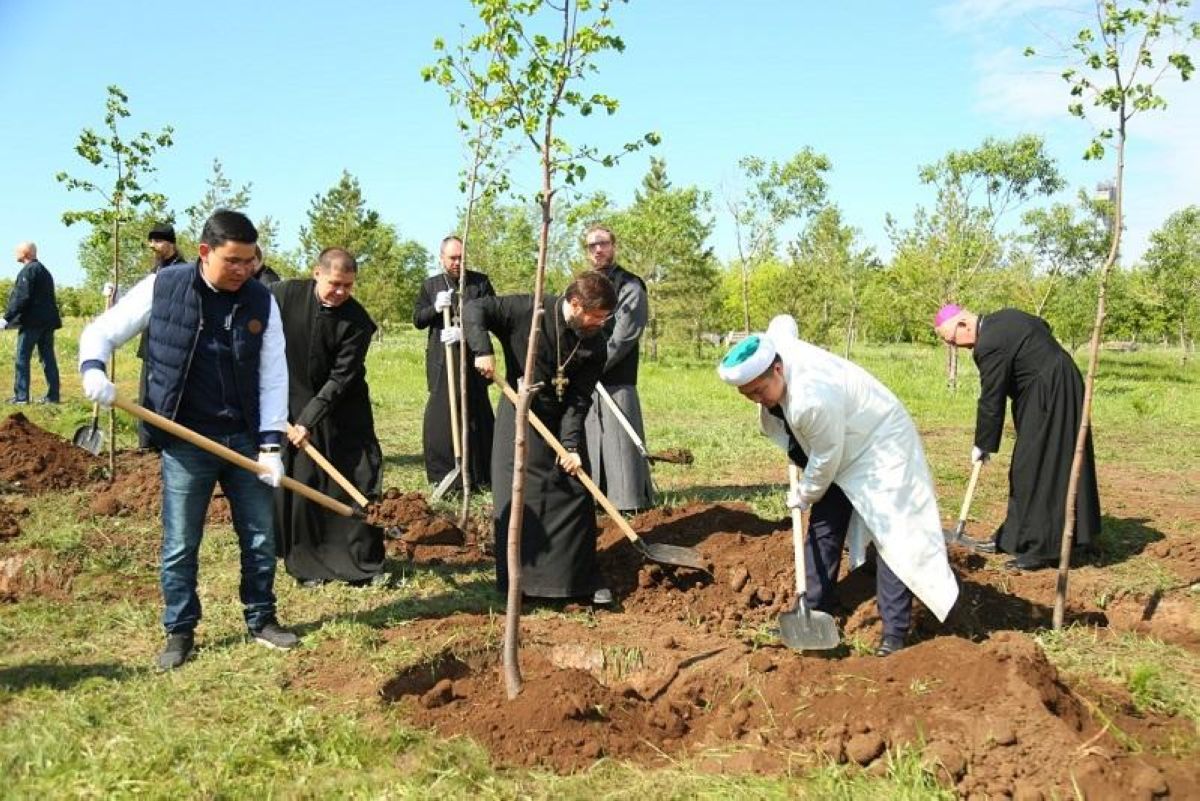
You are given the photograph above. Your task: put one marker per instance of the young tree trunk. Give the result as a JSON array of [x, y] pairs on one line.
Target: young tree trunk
[[952, 368], [746, 297], [112, 360], [1085, 422]]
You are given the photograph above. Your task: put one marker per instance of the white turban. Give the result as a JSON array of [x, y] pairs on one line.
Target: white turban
[[783, 326], [747, 360]]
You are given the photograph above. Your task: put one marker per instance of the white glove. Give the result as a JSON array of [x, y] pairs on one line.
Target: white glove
[[978, 455], [451, 335], [3, 323], [794, 500], [273, 461], [443, 300], [97, 387]]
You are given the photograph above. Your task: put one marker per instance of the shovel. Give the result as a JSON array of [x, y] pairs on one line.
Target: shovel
[[958, 534], [625, 424], [448, 480], [230, 455], [311, 451], [90, 437], [675, 555], [802, 628], [675, 455]]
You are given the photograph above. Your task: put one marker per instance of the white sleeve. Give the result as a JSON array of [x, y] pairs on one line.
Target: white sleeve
[[273, 375], [824, 427], [116, 326]]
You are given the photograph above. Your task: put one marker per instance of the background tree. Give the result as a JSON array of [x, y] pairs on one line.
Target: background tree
[[390, 270], [663, 237], [219, 193], [1173, 263], [774, 194], [1063, 244], [1122, 62], [125, 162], [543, 52]]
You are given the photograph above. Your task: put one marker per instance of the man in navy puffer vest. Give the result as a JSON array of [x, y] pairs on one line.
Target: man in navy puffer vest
[[215, 363]]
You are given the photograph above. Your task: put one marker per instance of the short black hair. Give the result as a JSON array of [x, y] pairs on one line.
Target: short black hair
[[345, 260], [593, 290], [226, 225]]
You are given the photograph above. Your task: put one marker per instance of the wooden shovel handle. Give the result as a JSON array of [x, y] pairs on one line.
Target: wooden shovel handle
[[230, 455], [451, 389], [966, 505], [583, 477], [311, 451]]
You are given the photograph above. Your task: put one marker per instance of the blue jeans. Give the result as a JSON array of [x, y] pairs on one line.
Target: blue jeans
[[43, 340], [189, 475]]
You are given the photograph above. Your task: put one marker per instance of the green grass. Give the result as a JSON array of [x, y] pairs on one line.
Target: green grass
[[82, 715]]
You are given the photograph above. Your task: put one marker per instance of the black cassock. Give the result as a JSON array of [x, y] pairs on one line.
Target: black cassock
[[436, 439], [1019, 358], [558, 535], [328, 395]]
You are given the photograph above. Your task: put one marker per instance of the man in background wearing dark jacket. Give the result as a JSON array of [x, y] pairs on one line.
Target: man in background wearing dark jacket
[[33, 310]]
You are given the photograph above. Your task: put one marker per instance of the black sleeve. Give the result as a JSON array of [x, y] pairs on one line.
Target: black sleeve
[[995, 366], [348, 365], [22, 290], [495, 315], [424, 315]]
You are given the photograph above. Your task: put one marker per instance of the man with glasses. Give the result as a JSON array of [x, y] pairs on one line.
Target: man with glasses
[[558, 533], [615, 462], [439, 293], [1019, 358], [216, 360]]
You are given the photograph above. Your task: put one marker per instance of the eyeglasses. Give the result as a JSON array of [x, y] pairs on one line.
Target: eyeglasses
[[600, 243]]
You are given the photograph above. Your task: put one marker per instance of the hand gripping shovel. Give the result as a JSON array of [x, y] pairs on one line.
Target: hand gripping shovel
[[675, 555], [802, 628], [90, 437], [230, 455], [448, 481]]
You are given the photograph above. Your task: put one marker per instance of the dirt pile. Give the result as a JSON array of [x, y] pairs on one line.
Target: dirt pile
[[137, 490], [994, 719], [37, 461], [36, 573], [416, 523]]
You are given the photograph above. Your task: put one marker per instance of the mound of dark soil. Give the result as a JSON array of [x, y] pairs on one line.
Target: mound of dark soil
[[37, 461], [137, 490]]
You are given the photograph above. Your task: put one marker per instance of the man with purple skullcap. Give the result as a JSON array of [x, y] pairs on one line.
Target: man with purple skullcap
[[865, 476], [1019, 358]]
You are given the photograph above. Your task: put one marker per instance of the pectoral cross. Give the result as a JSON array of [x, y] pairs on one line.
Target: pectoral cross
[[560, 382]]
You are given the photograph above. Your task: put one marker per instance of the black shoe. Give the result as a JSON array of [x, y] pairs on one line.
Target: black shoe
[[178, 650], [275, 636], [311, 584], [889, 644], [1029, 562], [15, 401], [602, 597]]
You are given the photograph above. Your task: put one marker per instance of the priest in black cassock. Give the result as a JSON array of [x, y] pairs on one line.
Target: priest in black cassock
[[1019, 358], [558, 539], [328, 333], [440, 292]]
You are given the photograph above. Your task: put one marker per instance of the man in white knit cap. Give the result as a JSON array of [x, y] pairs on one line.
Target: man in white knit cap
[[865, 475]]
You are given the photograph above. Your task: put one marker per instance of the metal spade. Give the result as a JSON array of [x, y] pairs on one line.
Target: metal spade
[[802, 628], [90, 437]]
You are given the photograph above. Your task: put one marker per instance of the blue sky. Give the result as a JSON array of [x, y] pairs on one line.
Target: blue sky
[[288, 95]]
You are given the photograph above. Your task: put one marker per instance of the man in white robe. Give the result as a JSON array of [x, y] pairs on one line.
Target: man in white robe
[[865, 475]]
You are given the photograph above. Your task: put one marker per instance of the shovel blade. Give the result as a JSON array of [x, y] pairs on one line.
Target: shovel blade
[[805, 629], [446, 483], [675, 555], [90, 438]]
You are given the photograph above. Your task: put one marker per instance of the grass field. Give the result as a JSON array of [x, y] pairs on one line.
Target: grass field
[[82, 714]]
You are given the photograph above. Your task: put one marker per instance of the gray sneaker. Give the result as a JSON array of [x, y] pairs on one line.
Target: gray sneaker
[[178, 649], [273, 635]]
